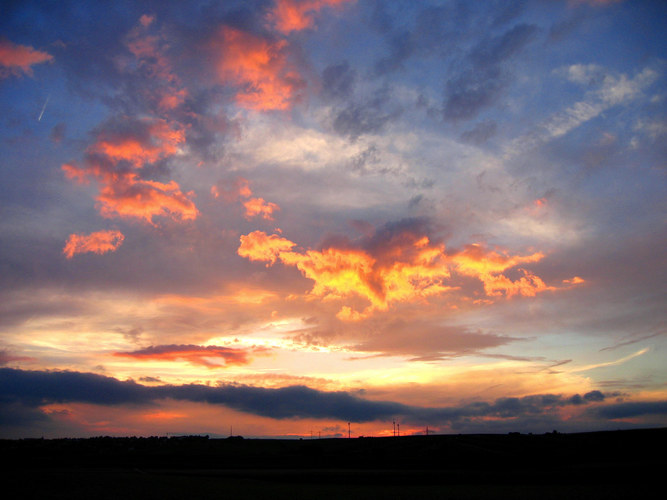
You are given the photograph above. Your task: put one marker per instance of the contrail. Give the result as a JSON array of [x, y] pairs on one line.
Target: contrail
[[43, 108]]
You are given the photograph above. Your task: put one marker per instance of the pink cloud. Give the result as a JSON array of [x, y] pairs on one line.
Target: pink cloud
[[259, 67], [99, 242], [19, 59], [195, 354], [115, 159]]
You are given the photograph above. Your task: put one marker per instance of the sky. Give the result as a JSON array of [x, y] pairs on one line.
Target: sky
[[277, 217]]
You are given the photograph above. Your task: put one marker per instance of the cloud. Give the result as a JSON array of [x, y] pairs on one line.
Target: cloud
[[258, 246], [399, 263], [641, 352], [239, 190], [502, 47], [258, 207], [488, 265], [425, 341], [631, 410], [338, 81], [6, 357], [195, 354], [612, 90], [122, 148], [31, 389], [472, 91], [35, 388], [166, 91], [296, 15], [18, 60], [480, 133], [481, 85], [99, 242], [259, 67], [368, 117]]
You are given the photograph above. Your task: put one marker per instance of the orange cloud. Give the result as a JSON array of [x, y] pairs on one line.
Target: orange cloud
[[259, 67], [131, 197], [144, 141], [487, 266], [19, 59], [195, 354], [239, 189], [406, 268], [258, 207], [259, 246], [120, 151], [231, 192], [295, 15], [99, 242]]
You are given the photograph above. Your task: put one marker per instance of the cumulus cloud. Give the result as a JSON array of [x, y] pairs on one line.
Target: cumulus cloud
[[18, 60], [259, 67], [121, 150], [99, 242], [399, 264]]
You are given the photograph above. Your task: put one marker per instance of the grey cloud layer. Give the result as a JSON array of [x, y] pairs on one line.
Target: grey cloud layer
[[30, 389]]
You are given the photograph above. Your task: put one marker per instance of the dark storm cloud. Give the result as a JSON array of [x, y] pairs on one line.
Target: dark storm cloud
[[289, 402], [22, 390], [630, 410], [35, 388]]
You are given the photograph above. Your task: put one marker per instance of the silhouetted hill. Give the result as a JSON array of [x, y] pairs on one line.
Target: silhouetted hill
[[601, 464]]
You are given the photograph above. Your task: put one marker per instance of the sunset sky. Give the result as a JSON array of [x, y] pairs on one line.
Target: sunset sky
[[276, 217]]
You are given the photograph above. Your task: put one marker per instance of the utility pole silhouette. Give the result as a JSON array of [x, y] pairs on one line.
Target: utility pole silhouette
[[399, 429], [394, 422], [348, 430]]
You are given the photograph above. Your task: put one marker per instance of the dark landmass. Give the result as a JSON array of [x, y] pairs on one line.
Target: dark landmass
[[617, 464]]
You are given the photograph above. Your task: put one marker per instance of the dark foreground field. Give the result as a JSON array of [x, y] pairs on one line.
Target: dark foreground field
[[620, 464]]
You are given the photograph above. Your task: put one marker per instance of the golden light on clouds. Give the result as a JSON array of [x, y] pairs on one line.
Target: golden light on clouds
[[408, 268]]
